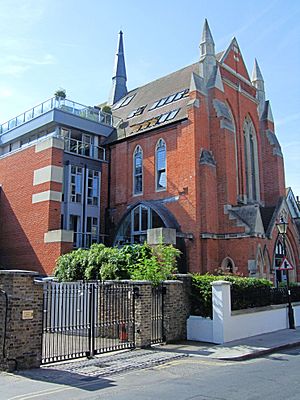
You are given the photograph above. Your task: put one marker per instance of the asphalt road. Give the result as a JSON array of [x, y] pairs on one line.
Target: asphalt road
[[273, 377]]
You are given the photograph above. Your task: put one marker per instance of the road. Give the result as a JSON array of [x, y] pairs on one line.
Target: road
[[273, 377]]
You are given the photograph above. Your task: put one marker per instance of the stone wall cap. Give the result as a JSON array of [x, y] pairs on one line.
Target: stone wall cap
[[220, 283], [18, 272], [171, 281]]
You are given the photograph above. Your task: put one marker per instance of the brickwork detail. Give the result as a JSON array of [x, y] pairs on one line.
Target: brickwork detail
[[21, 320]]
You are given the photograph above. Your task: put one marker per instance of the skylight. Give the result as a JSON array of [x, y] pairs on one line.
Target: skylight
[[137, 111], [169, 99], [155, 121], [125, 102]]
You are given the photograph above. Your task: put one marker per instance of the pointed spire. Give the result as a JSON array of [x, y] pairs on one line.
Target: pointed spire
[[216, 80], [196, 83], [256, 74], [119, 78], [207, 53], [207, 44], [267, 113], [258, 83]]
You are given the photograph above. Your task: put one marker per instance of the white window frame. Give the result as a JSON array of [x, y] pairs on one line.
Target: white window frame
[[159, 145], [138, 150]]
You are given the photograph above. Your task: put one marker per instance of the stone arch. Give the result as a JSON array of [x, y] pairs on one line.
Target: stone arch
[[228, 265], [144, 215]]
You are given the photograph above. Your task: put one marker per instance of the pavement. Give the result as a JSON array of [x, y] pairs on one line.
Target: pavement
[[241, 349]]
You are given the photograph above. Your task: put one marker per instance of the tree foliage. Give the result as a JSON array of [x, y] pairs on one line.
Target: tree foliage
[[137, 262]]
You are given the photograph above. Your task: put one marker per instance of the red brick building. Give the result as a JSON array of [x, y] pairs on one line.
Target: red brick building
[[194, 151]]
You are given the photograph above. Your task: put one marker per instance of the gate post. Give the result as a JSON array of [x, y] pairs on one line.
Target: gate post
[[21, 320], [143, 302]]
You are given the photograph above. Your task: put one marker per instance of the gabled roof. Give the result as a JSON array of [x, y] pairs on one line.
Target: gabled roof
[[232, 57], [146, 96]]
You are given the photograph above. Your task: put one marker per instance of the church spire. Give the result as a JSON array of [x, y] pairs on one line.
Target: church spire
[[118, 89], [207, 53], [207, 44], [258, 82]]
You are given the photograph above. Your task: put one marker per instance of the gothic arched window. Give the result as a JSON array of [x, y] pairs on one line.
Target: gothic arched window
[[160, 165], [138, 170], [251, 161]]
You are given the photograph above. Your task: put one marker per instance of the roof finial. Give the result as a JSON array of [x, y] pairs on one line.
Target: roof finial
[[207, 45], [256, 74], [119, 78], [207, 53]]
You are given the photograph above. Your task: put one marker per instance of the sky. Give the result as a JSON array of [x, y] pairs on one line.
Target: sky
[[46, 45]]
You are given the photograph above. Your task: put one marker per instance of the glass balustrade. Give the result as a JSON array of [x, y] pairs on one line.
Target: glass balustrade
[[68, 106]]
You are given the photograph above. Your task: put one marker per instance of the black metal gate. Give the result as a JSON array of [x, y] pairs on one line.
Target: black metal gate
[[157, 314], [83, 319]]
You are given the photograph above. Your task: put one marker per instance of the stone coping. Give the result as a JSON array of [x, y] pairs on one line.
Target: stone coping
[[18, 272], [260, 309]]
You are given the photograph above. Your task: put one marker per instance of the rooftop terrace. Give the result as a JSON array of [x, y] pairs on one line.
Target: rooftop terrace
[[90, 113]]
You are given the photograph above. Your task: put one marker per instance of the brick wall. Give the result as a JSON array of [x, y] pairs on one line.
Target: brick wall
[[24, 223], [22, 337]]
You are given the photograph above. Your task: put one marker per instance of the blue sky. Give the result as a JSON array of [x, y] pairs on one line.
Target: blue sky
[[46, 45]]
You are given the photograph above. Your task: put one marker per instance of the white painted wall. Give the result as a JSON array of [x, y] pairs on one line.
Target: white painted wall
[[227, 325]]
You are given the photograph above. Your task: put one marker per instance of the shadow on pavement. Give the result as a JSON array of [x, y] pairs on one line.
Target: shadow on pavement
[[66, 378]]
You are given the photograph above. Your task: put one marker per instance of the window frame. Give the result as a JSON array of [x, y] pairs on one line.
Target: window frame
[[138, 151], [161, 144]]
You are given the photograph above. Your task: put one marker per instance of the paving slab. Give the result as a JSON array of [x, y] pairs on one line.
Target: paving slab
[[242, 349]]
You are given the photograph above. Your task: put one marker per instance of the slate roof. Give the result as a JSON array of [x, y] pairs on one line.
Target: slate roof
[[146, 95], [266, 216]]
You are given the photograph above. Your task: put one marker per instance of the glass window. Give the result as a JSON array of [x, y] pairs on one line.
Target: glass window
[[134, 227], [163, 118], [172, 114], [161, 179], [251, 161], [138, 171], [161, 102], [170, 98], [76, 184], [154, 105], [126, 101], [93, 187]]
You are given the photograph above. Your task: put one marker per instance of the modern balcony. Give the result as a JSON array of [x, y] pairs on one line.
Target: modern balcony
[[84, 149], [68, 106]]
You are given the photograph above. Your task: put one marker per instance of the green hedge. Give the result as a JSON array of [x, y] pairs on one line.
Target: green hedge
[[245, 293], [137, 262]]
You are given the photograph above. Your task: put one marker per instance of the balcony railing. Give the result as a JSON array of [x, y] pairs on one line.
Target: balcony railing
[[84, 149], [85, 240], [69, 106]]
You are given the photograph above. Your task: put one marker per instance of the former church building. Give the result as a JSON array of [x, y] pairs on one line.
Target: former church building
[[194, 151]]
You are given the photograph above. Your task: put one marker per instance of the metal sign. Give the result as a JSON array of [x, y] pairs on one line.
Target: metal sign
[[285, 265]]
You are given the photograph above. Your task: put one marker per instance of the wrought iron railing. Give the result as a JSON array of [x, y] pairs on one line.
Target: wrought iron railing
[[66, 105], [259, 297]]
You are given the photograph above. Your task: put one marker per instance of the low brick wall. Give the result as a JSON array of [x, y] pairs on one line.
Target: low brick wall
[[21, 309], [21, 316]]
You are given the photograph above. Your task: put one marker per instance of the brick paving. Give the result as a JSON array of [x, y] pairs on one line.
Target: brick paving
[[115, 363]]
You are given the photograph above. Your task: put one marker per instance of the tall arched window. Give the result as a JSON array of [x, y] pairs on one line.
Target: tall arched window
[[138, 170], [251, 161], [160, 165], [233, 129]]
